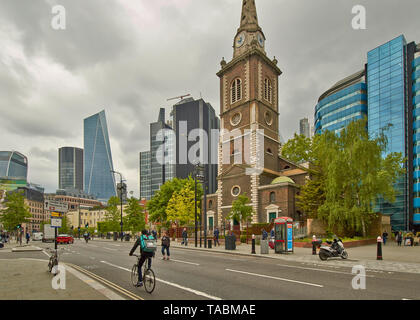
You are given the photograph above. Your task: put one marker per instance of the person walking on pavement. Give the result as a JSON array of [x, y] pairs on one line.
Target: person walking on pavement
[[27, 237], [385, 236], [185, 237], [399, 238], [154, 234], [216, 236], [272, 233], [166, 242]]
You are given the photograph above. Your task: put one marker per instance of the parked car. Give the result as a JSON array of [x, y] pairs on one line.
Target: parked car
[[65, 238], [37, 236]]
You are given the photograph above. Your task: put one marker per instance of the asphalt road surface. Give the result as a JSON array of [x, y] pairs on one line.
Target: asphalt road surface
[[197, 275]]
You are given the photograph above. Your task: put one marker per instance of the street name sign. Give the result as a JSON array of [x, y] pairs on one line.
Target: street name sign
[[56, 206], [56, 222]]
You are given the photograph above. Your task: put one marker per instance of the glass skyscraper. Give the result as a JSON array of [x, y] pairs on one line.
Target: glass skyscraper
[[145, 176], [392, 85], [13, 165], [70, 168], [99, 181]]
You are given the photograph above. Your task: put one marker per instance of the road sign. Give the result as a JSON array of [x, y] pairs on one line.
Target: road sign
[[56, 206], [56, 214], [56, 222]]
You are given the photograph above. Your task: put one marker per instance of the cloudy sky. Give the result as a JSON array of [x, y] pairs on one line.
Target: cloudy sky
[[129, 56]]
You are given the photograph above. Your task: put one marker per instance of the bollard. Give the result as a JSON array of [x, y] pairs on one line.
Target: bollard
[[253, 244], [379, 251], [313, 245]]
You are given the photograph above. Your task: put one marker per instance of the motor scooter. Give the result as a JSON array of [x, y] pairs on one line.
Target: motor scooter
[[336, 249]]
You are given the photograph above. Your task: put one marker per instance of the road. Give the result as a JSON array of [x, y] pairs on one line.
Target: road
[[197, 275]]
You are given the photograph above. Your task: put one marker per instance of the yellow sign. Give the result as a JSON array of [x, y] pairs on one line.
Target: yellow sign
[[56, 214]]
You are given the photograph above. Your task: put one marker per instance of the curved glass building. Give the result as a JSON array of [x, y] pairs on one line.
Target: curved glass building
[[343, 103], [13, 165], [415, 79]]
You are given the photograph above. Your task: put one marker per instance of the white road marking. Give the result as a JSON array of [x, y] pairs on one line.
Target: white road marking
[[110, 249], [199, 293], [46, 254], [276, 278], [313, 269], [92, 245], [196, 264]]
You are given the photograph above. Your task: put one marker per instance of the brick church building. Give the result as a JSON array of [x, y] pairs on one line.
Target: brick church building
[[249, 104]]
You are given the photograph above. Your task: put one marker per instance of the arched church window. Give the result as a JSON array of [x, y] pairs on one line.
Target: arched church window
[[272, 197], [268, 90], [236, 90]]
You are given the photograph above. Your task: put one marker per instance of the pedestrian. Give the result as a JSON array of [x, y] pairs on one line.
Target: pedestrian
[[216, 236], [154, 234], [185, 237], [166, 242], [385, 236], [399, 238], [264, 234], [272, 233], [27, 237]]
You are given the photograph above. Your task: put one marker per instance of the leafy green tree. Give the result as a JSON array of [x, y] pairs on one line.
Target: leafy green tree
[[349, 173], [65, 226], [113, 215], [241, 210], [181, 207], [16, 211], [135, 218]]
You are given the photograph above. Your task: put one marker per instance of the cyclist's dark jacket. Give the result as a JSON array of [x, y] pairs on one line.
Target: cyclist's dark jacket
[[140, 242]]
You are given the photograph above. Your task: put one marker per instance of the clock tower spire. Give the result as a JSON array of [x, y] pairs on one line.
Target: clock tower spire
[[249, 34]]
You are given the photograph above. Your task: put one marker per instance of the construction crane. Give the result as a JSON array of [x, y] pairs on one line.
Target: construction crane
[[180, 97]]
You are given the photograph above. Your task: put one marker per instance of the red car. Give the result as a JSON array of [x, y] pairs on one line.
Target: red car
[[65, 238]]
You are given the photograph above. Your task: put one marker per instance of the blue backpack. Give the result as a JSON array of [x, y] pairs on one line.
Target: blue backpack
[[148, 244]]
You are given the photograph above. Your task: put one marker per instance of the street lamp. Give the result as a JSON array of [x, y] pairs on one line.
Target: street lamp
[[121, 190], [199, 175]]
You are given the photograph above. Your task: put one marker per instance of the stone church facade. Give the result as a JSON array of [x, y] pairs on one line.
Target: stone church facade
[[249, 107]]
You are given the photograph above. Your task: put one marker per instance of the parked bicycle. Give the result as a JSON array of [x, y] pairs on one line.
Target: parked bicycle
[[149, 279], [53, 261]]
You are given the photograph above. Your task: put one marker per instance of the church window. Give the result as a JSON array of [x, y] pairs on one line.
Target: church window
[[268, 90], [236, 190], [272, 197], [236, 90], [236, 119]]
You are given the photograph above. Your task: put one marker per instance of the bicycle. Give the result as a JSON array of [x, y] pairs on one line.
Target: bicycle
[[149, 279], [53, 261]]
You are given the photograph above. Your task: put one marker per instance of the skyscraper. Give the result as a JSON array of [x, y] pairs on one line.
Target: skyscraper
[[99, 181], [304, 127], [70, 168], [145, 176], [387, 91], [188, 115], [13, 165]]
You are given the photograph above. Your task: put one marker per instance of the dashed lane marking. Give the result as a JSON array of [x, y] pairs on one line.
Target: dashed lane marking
[[313, 269], [276, 278], [193, 263], [199, 293]]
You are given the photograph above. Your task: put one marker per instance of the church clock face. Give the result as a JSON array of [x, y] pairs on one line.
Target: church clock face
[[240, 40]]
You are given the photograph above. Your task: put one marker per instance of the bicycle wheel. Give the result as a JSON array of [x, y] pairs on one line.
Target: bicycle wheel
[[149, 280], [134, 275], [50, 264]]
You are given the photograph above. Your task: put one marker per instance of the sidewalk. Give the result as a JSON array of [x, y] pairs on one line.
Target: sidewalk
[[395, 259], [28, 279]]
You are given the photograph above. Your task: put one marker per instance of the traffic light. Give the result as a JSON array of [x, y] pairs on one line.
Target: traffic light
[[87, 225], [18, 226]]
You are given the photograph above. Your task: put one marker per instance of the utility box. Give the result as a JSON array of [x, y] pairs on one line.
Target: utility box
[[283, 230], [264, 246], [230, 242]]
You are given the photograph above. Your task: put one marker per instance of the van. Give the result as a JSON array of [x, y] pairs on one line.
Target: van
[[37, 236]]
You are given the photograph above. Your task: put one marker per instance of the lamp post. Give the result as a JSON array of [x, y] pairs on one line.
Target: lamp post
[[198, 169], [121, 190]]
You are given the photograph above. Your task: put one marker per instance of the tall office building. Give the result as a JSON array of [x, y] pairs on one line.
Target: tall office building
[[157, 165], [13, 165], [305, 128], [70, 168], [99, 181], [387, 91], [189, 115]]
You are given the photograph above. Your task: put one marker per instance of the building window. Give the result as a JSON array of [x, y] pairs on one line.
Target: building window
[[236, 190], [272, 197], [269, 151], [268, 90], [236, 119], [210, 204], [236, 90]]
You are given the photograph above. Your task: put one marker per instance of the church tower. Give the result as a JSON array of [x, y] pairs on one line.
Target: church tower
[[248, 102]]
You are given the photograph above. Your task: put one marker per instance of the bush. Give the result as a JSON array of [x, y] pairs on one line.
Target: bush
[[243, 238]]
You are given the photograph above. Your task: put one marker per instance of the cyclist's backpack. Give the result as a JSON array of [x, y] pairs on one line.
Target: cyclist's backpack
[[150, 244]]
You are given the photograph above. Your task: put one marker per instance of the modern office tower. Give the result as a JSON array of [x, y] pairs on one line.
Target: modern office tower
[[344, 102], [188, 115], [13, 165], [391, 84], [145, 176], [70, 168], [157, 165], [99, 181], [304, 127]]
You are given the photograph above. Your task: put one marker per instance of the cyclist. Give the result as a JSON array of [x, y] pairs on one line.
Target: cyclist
[[144, 254]]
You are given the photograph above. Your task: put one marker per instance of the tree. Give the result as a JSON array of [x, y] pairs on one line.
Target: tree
[[349, 172], [158, 205], [16, 211], [241, 210], [113, 215], [135, 216], [181, 206], [65, 226]]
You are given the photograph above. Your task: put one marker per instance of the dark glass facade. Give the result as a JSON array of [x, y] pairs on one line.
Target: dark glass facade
[[99, 181], [13, 165], [70, 168], [145, 175]]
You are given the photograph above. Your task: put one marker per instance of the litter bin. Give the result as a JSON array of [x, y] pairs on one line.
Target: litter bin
[[115, 236], [209, 241], [108, 236], [264, 246], [127, 237], [230, 242]]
